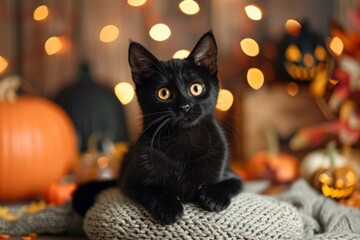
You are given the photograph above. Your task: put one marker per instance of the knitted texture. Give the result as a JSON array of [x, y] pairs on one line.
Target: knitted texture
[[52, 220], [249, 216], [323, 218]]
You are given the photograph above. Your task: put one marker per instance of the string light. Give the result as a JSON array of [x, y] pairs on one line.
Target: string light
[[336, 46], [109, 33], [189, 7], [3, 64], [53, 45], [255, 78], [253, 12], [181, 54], [136, 3], [225, 100], [41, 13], [160, 32], [293, 27], [250, 47], [125, 92]]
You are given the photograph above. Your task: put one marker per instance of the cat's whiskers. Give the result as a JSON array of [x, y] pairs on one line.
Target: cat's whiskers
[[230, 128], [154, 136], [152, 123]]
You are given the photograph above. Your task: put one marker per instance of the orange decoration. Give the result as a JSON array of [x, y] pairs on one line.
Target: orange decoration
[[273, 165], [278, 168], [59, 193], [37, 144]]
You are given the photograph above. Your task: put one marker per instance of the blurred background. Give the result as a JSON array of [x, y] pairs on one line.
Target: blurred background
[[289, 73]]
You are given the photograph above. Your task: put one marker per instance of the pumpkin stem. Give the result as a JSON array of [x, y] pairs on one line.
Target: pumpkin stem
[[331, 151], [8, 87], [272, 140]]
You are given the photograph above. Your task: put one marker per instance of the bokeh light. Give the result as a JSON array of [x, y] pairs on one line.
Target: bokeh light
[[160, 32], [181, 54], [3, 64], [336, 46], [54, 45], [41, 13], [292, 89], [225, 100], [189, 7], [125, 92], [249, 47], [293, 27], [255, 78], [136, 3], [253, 12], [109, 33]]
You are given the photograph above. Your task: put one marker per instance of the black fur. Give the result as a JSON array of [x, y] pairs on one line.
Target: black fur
[[181, 154]]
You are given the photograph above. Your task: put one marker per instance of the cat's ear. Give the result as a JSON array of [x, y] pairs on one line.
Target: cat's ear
[[140, 60], [205, 53]]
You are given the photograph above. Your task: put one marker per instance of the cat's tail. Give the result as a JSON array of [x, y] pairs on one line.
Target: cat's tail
[[84, 196]]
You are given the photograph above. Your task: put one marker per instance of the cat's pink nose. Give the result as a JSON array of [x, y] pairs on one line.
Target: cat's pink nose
[[185, 108]]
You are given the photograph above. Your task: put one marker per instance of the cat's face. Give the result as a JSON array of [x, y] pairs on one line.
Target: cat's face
[[177, 91]]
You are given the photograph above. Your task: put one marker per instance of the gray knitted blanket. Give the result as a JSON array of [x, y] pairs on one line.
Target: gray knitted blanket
[[300, 213]]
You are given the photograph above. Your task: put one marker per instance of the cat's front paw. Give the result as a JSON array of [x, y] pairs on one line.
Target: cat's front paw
[[167, 211], [211, 198]]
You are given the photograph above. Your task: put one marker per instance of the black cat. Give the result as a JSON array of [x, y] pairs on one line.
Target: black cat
[[181, 154]]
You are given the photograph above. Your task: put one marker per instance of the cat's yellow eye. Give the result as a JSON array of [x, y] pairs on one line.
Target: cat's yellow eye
[[164, 93], [196, 89]]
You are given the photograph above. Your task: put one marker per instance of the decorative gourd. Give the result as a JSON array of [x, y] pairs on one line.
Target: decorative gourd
[[37, 144], [273, 165], [93, 108]]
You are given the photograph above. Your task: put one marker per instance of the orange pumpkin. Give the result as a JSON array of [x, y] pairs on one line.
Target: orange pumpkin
[[278, 168], [273, 165], [37, 146]]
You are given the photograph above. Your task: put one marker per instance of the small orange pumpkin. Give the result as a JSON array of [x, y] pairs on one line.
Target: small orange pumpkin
[[37, 144], [273, 165], [336, 183]]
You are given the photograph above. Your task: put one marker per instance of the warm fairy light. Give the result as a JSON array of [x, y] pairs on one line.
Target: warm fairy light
[[3, 64], [293, 27], [41, 12], [225, 100], [253, 12], [292, 89], [53, 45], [136, 3], [255, 78], [125, 92], [189, 7], [336, 46], [250, 47], [109, 33], [160, 32], [181, 54]]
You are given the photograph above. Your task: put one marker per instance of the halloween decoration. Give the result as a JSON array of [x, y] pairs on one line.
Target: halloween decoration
[[37, 143], [101, 160], [273, 165], [335, 181], [93, 108], [59, 193], [304, 55]]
